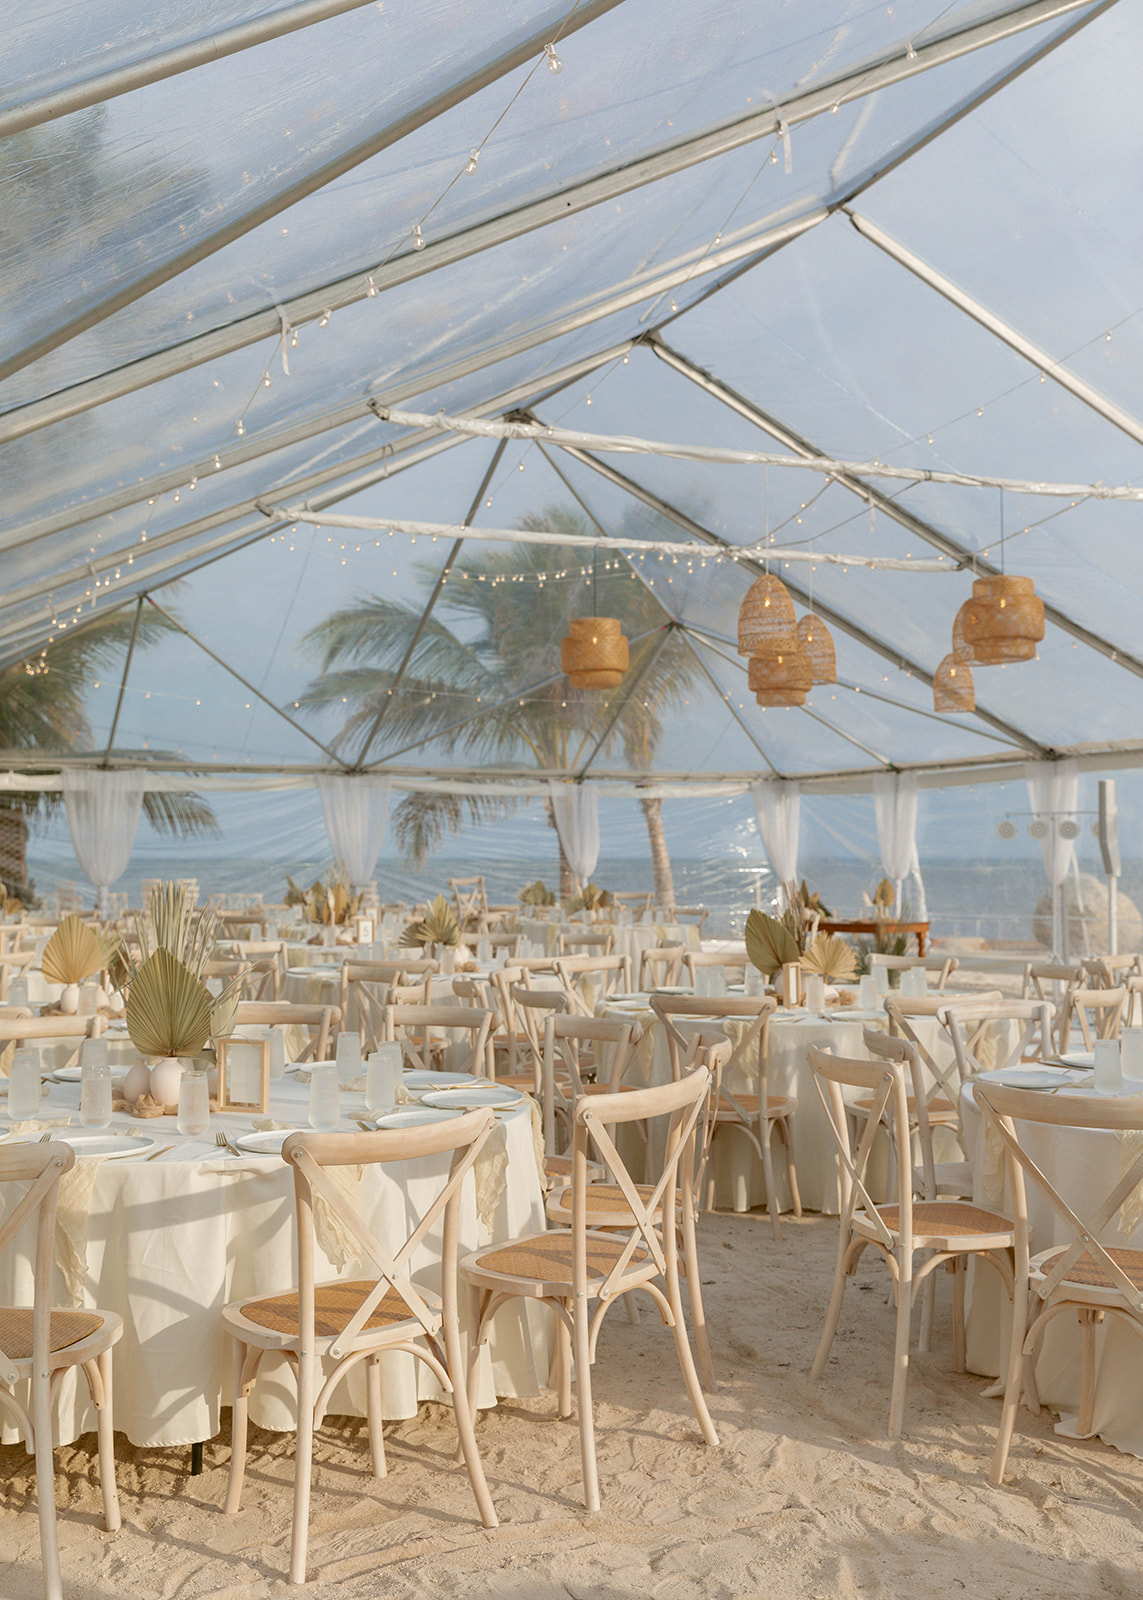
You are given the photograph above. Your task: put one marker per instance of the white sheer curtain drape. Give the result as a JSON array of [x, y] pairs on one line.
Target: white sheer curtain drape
[[575, 807], [356, 811], [895, 802], [102, 816], [777, 805], [1053, 795]]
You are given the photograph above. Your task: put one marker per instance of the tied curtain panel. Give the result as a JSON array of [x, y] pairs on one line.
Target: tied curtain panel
[[103, 816], [356, 811], [895, 804], [1053, 795], [778, 807], [575, 807]]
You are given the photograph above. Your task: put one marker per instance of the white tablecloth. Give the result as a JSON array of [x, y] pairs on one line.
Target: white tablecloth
[[629, 941], [1080, 1163], [170, 1241]]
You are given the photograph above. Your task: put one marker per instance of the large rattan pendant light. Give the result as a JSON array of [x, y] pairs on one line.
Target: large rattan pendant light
[[1004, 620], [953, 688], [816, 641], [595, 654], [961, 647], [780, 677], [766, 618]]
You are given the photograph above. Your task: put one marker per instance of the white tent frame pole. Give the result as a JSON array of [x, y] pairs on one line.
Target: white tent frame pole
[[580, 16], [913, 524], [991, 323], [365, 475], [569, 201], [828, 613], [453, 556], [102, 86]]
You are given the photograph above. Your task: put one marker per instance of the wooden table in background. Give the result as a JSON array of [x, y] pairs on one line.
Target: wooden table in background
[[921, 929]]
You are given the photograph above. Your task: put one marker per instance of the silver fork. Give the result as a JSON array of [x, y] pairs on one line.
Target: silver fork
[[224, 1143]]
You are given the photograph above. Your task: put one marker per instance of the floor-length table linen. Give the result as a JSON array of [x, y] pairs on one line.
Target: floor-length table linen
[[1079, 1163], [170, 1241]]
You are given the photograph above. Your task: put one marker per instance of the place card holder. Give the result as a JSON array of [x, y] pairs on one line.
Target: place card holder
[[242, 1064], [365, 930]]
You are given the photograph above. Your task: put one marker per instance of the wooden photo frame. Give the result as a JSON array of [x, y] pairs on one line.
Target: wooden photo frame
[[230, 1053], [366, 930]]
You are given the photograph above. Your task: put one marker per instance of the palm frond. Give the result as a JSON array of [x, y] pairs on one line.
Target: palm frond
[[425, 819]]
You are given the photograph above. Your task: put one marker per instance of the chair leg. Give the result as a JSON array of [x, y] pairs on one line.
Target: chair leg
[[303, 1468], [106, 1441], [563, 1369], [631, 1306], [768, 1174], [686, 1360], [238, 1420], [1087, 1382], [472, 1383], [901, 1347], [46, 1485], [833, 1313], [582, 1348], [1013, 1383], [928, 1311], [694, 1295], [959, 1342], [791, 1170], [454, 1358], [377, 1460]]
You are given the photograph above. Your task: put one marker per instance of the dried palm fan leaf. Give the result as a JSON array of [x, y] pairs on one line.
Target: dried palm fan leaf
[[439, 925], [173, 924], [73, 952], [168, 1009], [770, 944], [835, 959]]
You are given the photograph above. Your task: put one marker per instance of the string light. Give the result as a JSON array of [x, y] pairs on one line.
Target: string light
[[323, 320], [474, 157], [554, 62], [418, 237]]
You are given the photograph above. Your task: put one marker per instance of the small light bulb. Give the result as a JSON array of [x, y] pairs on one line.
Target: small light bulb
[[323, 320], [587, 400], [554, 62], [910, 52], [193, 484], [265, 380], [176, 497], [474, 157], [294, 339], [418, 238], [370, 286], [217, 463], [240, 429]]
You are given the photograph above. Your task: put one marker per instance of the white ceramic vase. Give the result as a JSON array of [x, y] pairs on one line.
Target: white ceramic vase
[[165, 1076], [137, 1082], [69, 999]]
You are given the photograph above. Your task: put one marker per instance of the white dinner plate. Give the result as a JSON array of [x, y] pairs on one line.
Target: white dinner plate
[[265, 1141], [472, 1099], [99, 1144], [1032, 1077], [1078, 1058], [415, 1116], [420, 1079], [75, 1074]]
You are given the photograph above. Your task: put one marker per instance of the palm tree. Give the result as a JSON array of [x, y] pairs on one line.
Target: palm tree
[[42, 710], [490, 686]]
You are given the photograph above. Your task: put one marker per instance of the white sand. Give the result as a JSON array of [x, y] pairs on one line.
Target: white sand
[[805, 1497]]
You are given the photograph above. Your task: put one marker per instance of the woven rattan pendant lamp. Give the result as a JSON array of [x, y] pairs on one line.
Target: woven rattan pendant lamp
[[780, 677], [953, 688], [961, 647], [816, 641], [595, 654], [766, 618], [1004, 620]]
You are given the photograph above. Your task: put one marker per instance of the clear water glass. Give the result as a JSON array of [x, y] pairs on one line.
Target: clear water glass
[[881, 977], [95, 1085], [815, 993], [1131, 1053], [194, 1103], [277, 1037], [867, 992], [325, 1097], [349, 1064], [18, 992], [382, 1075], [24, 1084], [484, 949], [1108, 1075]]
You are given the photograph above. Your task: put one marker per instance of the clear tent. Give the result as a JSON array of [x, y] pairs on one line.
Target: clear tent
[[891, 233]]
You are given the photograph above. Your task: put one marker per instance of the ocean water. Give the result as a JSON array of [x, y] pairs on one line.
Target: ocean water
[[993, 900]]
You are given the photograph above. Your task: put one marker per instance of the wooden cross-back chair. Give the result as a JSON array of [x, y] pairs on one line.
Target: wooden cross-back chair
[[584, 942], [265, 955], [19, 1026], [413, 1027], [530, 1010], [1049, 980], [729, 962], [943, 966], [756, 1112], [366, 987], [577, 1268], [323, 1023], [39, 1344], [944, 1230], [637, 900], [567, 1037], [254, 983], [14, 964], [591, 978], [348, 1322], [695, 916], [1083, 1275], [471, 903], [661, 964], [504, 944], [1099, 1013], [1108, 972], [942, 1079], [607, 1205]]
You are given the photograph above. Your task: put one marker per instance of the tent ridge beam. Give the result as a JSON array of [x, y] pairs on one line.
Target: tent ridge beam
[[580, 16], [846, 624], [866, 491], [145, 69]]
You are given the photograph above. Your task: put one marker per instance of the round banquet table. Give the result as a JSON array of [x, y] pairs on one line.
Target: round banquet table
[[738, 1179], [1080, 1163], [170, 1241]]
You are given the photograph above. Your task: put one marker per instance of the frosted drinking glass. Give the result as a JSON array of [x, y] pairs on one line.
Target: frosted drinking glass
[[95, 1092], [382, 1074], [881, 977], [349, 1064], [815, 993], [867, 993], [325, 1097], [1131, 1053], [194, 1103], [24, 1085], [1108, 1070]]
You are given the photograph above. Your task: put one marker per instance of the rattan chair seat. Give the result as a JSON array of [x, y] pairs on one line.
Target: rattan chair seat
[[949, 1218], [603, 1200], [334, 1304], [777, 1105], [67, 1327], [940, 1109], [1089, 1274], [547, 1257]]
